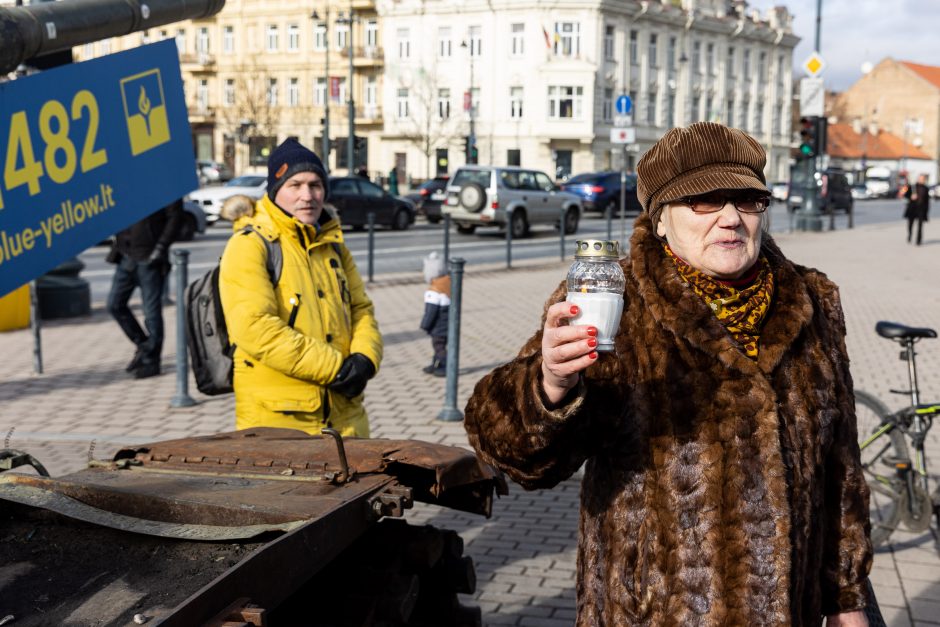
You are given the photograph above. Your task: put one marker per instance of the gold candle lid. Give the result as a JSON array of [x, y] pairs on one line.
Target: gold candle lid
[[597, 248]]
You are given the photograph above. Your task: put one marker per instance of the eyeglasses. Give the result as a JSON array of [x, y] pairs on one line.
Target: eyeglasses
[[716, 201]]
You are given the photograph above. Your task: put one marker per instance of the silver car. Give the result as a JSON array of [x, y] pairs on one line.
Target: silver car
[[500, 195]]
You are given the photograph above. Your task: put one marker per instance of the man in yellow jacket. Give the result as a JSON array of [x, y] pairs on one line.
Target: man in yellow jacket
[[307, 345]]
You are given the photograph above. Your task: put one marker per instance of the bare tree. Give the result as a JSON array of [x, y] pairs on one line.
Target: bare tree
[[254, 113], [427, 127]]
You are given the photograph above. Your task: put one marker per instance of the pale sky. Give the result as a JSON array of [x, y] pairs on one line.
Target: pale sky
[[856, 31]]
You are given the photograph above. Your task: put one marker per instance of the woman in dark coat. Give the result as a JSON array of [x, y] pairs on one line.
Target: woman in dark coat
[[722, 483], [918, 203]]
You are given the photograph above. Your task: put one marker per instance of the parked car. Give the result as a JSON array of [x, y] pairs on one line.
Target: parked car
[[779, 190], [832, 186], [860, 191], [600, 191], [212, 172], [429, 196], [487, 195], [194, 221], [354, 197], [211, 198]]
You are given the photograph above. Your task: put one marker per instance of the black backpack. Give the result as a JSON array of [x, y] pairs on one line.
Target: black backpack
[[210, 351]]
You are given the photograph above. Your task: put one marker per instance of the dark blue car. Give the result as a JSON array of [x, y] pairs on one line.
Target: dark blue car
[[600, 190]]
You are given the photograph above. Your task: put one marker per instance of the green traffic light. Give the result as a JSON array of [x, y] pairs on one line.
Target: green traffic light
[[806, 149]]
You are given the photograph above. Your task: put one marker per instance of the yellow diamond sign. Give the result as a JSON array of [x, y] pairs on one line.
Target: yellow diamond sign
[[814, 65]]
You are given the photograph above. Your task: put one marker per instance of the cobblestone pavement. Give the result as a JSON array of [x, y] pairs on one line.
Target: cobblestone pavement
[[85, 405]]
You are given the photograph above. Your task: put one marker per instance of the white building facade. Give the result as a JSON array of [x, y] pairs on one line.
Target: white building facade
[[543, 79]]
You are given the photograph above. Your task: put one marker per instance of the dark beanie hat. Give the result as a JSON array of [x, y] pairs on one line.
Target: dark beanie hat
[[698, 159], [287, 160]]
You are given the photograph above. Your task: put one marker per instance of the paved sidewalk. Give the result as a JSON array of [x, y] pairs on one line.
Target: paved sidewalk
[[86, 405]]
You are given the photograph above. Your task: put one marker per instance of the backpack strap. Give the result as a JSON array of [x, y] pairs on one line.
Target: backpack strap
[[274, 257]]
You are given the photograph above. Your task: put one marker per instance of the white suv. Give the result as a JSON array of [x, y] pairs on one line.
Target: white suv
[[480, 195]]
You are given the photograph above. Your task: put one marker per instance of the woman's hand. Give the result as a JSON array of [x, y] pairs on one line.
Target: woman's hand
[[566, 351], [848, 619]]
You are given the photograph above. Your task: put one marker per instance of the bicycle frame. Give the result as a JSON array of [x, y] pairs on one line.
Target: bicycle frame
[[915, 413]]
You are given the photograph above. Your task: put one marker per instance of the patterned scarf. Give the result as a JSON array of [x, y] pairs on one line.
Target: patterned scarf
[[740, 305]]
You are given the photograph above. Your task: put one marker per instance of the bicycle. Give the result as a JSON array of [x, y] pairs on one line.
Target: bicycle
[[899, 485]]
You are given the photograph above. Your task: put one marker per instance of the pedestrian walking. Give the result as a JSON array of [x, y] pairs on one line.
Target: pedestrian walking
[[307, 343], [918, 206], [436, 312], [722, 483], [141, 252], [393, 181]]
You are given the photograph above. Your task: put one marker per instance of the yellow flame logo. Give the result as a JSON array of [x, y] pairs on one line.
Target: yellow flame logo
[[143, 103]]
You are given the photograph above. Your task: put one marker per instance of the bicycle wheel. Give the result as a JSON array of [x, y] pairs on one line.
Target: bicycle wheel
[[880, 443]]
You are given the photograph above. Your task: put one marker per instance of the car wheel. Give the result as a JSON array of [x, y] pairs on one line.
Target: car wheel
[[519, 224], [466, 229], [187, 229], [434, 219], [472, 196], [401, 221], [571, 221]]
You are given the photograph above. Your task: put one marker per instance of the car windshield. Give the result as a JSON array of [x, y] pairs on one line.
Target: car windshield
[[464, 177], [581, 178], [246, 181]]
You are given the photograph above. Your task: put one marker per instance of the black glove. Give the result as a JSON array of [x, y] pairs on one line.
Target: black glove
[[159, 256], [353, 375]]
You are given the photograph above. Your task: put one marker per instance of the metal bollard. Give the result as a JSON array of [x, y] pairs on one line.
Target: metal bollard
[[509, 239], [851, 215], [371, 218], [182, 397], [446, 236], [832, 218], [35, 325], [450, 413], [609, 210]]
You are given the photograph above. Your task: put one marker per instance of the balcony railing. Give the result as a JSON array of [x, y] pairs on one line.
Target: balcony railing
[[202, 59], [365, 54]]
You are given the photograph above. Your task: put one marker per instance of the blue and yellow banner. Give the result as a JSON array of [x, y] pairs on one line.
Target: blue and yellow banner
[[89, 149]]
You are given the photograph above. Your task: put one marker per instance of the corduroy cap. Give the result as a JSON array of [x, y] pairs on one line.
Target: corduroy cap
[[290, 158], [698, 159]]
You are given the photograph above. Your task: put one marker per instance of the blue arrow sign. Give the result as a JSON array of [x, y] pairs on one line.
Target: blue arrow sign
[[624, 104]]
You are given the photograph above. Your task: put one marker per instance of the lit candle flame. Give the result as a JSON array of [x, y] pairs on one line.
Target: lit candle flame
[[143, 103]]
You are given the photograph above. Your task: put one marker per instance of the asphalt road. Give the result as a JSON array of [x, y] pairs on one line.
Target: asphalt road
[[402, 251]]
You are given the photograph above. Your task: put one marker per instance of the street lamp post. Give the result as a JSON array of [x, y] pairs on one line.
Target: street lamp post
[[325, 150], [472, 141], [350, 141]]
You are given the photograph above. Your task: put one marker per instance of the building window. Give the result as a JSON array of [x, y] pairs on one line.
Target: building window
[[564, 102], [444, 44], [651, 108], [342, 36], [202, 40], [343, 90], [293, 37], [762, 67], [781, 70], [228, 92], [293, 92], [758, 126], [697, 57], [202, 94], [696, 103], [607, 107], [476, 41], [180, 41], [402, 103], [729, 62], [671, 110], [515, 102], [567, 39], [742, 114], [747, 65], [404, 43], [710, 59], [778, 116], [319, 91], [372, 35], [319, 36], [671, 48], [271, 94], [371, 91], [729, 110], [514, 157], [652, 50], [443, 103], [709, 114], [609, 42], [228, 40], [517, 48], [634, 48], [272, 43]]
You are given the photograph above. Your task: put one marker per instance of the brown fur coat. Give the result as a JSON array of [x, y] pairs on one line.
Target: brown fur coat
[[718, 490]]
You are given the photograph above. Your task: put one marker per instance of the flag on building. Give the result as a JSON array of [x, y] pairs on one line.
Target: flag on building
[[548, 40]]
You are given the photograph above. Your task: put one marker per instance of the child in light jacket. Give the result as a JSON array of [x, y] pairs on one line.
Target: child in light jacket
[[436, 310]]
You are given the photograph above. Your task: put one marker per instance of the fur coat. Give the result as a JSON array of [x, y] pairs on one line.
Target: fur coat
[[718, 490]]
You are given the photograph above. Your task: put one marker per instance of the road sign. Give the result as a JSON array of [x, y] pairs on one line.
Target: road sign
[[623, 120], [91, 148], [624, 104], [625, 135], [814, 64], [812, 97]]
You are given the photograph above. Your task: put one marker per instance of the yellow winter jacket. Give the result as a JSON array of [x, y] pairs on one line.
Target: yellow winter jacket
[[291, 339]]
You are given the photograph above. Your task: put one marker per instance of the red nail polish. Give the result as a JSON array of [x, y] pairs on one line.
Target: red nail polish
[[593, 355], [592, 342], [574, 310], [592, 332]]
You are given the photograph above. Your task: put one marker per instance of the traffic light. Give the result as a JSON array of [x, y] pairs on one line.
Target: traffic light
[[466, 147], [474, 153], [812, 136]]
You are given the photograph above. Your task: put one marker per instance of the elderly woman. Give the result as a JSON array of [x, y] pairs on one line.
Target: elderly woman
[[722, 483]]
